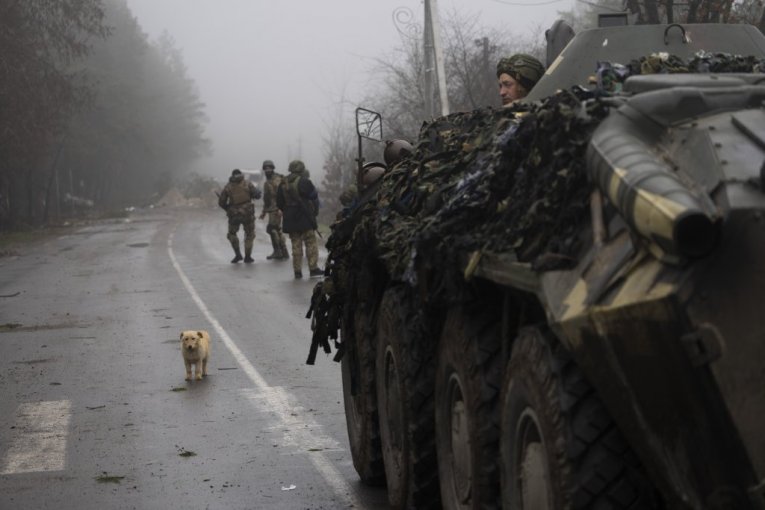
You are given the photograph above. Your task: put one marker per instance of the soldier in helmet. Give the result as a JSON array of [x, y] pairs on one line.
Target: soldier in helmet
[[517, 75], [299, 202], [236, 199], [274, 227], [396, 151]]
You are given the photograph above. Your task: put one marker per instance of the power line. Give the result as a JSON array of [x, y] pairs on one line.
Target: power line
[[532, 4], [601, 6]]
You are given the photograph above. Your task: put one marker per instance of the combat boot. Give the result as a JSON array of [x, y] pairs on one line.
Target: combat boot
[[316, 272], [275, 244], [248, 256], [237, 253], [283, 253], [298, 275]]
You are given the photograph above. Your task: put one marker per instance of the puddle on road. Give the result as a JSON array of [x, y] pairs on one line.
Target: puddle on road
[[89, 232], [33, 361], [16, 327], [107, 478]]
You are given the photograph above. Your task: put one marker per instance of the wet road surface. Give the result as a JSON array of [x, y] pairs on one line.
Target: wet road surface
[[95, 412]]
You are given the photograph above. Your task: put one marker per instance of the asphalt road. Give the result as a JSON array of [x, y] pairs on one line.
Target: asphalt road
[[95, 412]]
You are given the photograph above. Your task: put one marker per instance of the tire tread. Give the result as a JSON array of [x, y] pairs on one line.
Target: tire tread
[[598, 469]]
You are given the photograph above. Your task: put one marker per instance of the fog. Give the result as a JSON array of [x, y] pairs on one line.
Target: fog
[[273, 74]]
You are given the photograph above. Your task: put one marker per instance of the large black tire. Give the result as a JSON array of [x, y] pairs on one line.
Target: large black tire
[[560, 449], [360, 398], [468, 379], [405, 384]]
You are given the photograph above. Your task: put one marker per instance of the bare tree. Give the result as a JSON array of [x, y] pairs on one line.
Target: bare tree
[[339, 159], [471, 52], [584, 15], [750, 12]]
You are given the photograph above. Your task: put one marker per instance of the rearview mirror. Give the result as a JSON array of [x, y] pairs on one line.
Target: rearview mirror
[[368, 124]]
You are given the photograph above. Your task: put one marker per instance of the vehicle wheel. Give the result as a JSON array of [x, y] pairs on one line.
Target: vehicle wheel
[[405, 380], [360, 399], [467, 413], [559, 446]]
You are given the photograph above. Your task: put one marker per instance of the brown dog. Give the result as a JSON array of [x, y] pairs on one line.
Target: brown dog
[[195, 346]]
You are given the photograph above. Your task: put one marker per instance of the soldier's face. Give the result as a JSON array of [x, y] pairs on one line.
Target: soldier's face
[[509, 89]]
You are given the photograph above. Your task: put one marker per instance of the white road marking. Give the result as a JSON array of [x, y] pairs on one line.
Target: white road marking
[[301, 427], [277, 400], [39, 439]]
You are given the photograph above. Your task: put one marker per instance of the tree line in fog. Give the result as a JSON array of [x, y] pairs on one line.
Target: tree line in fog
[[94, 115]]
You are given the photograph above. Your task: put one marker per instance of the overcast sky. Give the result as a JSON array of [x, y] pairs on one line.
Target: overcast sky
[[271, 72]]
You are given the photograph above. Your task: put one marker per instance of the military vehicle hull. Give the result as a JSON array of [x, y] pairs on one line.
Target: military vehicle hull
[[674, 346], [620, 366]]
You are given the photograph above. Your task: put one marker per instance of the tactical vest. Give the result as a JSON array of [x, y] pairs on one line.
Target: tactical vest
[[240, 193]]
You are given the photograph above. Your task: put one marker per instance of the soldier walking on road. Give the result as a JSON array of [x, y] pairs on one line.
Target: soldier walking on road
[[298, 200], [274, 227], [236, 199]]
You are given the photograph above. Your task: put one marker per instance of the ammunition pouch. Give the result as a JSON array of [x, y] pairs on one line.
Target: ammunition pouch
[[270, 228]]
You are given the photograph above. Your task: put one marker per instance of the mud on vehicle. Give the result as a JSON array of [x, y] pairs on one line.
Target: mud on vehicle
[[558, 304]]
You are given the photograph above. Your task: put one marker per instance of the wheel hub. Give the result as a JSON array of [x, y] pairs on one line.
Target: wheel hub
[[393, 411], [352, 401], [533, 473], [460, 442]]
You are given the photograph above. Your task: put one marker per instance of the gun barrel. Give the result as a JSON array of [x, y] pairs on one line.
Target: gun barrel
[[622, 159], [646, 192]]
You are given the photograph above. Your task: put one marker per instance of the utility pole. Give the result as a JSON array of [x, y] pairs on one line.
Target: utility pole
[[434, 52], [427, 37], [487, 74]]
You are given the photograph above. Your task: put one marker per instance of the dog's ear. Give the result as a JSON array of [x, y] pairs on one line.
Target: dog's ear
[[181, 335], [199, 334]]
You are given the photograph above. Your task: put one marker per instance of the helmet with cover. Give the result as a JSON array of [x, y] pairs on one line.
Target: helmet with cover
[[523, 68], [396, 150], [296, 166], [371, 173]]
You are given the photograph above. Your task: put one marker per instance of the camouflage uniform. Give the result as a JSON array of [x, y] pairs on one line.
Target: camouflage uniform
[[274, 227], [298, 200], [236, 199]]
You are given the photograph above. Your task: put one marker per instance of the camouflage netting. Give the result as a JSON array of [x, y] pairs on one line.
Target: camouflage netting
[[609, 77], [508, 180], [493, 180]]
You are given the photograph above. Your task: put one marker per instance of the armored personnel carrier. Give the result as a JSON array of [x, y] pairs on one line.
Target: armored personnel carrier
[[559, 305]]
